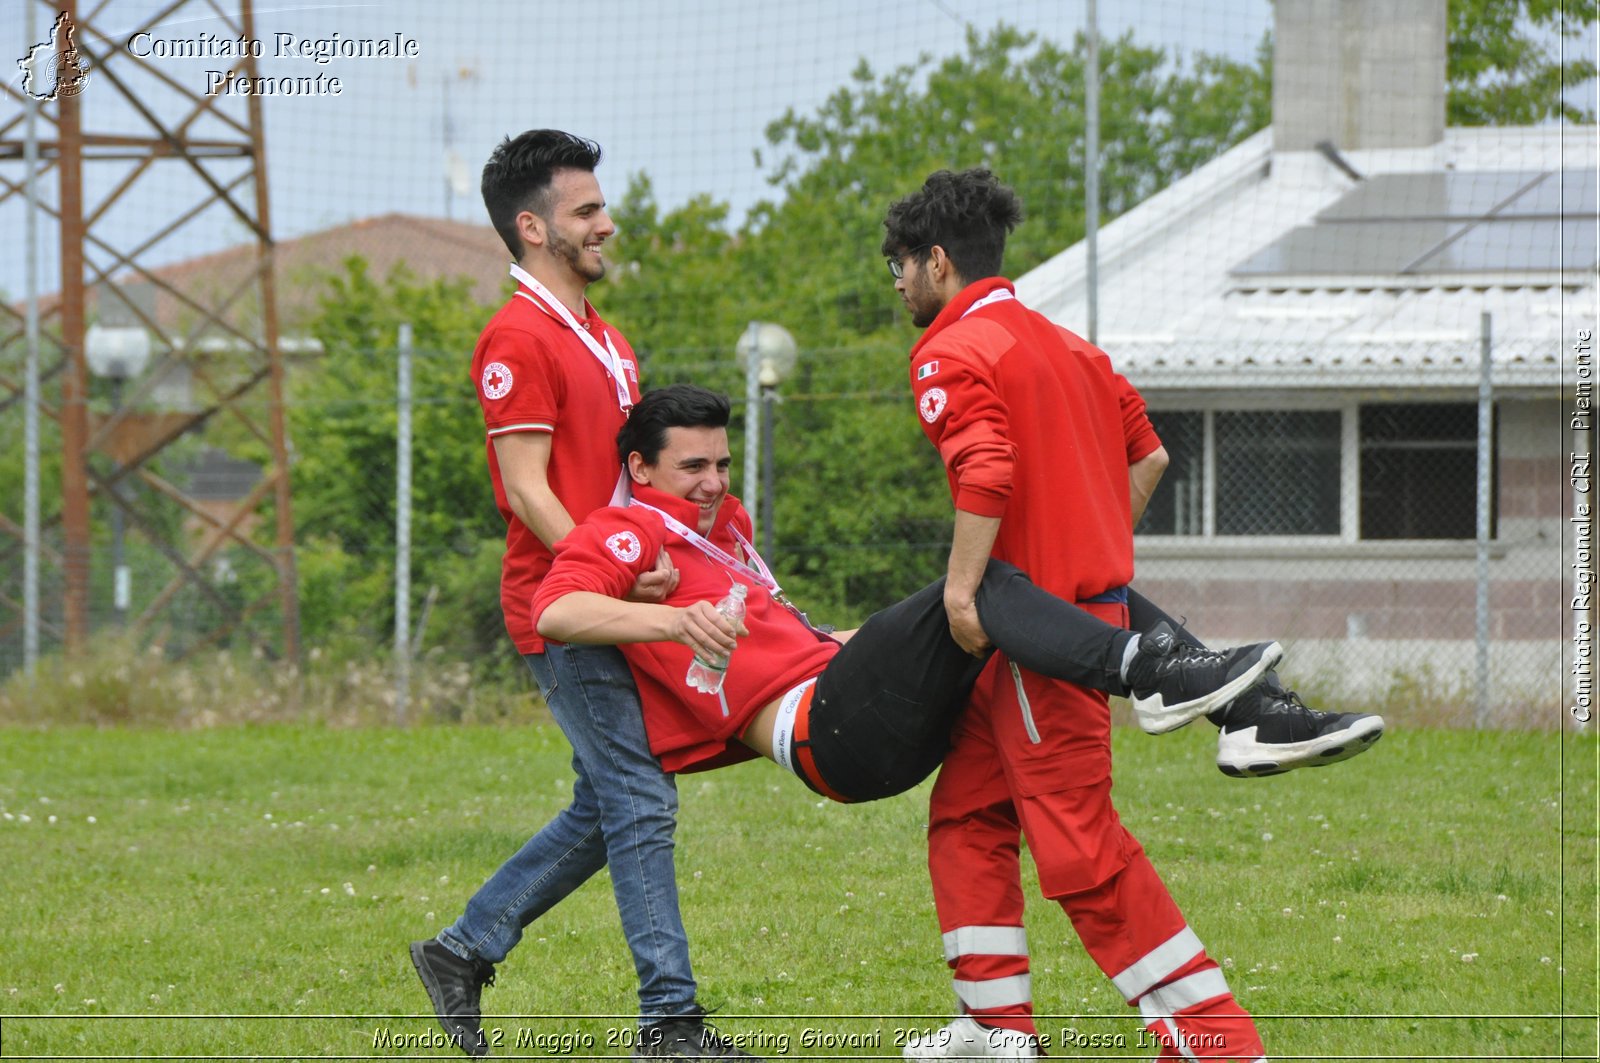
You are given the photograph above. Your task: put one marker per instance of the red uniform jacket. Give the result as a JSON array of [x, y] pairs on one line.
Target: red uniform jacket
[[1034, 426], [689, 731]]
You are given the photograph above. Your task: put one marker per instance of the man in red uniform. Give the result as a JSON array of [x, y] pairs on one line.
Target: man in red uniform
[[556, 383], [857, 716], [1046, 448]]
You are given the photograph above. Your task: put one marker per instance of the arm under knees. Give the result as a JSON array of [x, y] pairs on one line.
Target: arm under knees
[[1049, 635]]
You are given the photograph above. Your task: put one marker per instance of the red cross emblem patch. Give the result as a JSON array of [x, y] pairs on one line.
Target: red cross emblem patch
[[932, 404], [496, 380], [625, 545]]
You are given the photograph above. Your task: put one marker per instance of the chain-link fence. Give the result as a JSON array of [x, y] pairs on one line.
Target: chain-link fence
[[1324, 487]]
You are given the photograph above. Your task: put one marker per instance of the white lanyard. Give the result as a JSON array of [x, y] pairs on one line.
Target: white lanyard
[[999, 295], [757, 570], [609, 358]]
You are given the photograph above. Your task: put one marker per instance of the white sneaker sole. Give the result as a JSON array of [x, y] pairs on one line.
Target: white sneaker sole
[[1242, 757], [1156, 717]]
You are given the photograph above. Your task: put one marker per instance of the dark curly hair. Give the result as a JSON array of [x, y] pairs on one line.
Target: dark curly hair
[[518, 174], [969, 214], [674, 406]]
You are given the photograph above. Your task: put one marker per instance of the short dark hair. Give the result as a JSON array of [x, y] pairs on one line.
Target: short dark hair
[[968, 214], [518, 174], [674, 406]]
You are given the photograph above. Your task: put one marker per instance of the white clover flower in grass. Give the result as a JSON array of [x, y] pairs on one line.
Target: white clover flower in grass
[[1468, 957]]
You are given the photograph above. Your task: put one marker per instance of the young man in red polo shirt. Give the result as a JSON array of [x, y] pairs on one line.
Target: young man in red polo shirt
[[1050, 458], [857, 716], [556, 383]]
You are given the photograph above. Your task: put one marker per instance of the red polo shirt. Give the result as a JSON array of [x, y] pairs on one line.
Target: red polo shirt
[[534, 374], [689, 731]]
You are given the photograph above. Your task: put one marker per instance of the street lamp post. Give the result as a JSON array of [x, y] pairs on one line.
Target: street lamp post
[[768, 353], [769, 379], [117, 354]]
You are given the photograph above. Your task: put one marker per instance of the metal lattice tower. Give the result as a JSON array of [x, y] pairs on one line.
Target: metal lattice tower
[[165, 159]]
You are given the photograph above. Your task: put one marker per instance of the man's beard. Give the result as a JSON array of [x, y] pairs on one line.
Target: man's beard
[[572, 254], [923, 303]]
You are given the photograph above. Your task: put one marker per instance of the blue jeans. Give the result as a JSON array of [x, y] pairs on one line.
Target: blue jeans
[[623, 812]]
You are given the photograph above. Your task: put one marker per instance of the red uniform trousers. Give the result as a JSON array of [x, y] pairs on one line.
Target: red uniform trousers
[[1033, 756]]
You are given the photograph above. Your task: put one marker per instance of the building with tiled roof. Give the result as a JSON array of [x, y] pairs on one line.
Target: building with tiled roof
[[1308, 317]]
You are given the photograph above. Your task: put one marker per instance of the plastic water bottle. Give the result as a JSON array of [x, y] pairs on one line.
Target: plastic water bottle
[[706, 676]]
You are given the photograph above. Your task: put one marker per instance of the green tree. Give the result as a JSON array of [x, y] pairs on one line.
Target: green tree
[[1506, 63], [343, 424], [862, 512]]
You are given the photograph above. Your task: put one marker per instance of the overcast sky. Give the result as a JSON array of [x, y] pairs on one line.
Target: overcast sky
[[679, 90]]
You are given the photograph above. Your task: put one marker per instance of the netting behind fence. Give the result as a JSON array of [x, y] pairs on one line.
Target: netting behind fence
[[1299, 304]]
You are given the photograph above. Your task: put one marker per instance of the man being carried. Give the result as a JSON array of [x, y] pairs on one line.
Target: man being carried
[[857, 716]]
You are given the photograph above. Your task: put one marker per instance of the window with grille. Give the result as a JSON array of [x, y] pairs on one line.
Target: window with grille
[[1419, 471], [1178, 505], [1277, 472]]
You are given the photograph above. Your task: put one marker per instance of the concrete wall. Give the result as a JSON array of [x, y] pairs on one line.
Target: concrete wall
[[1358, 73]]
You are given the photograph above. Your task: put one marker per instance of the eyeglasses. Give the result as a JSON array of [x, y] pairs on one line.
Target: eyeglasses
[[896, 267]]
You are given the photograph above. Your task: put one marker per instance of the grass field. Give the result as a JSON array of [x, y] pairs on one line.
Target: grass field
[[249, 893]]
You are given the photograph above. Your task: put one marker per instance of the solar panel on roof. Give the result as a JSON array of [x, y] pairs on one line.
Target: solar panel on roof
[[1412, 196], [1557, 196], [1350, 247], [1521, 244], [1467, 222]]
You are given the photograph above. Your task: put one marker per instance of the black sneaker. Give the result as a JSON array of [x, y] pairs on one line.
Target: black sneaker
[[1172, 681], [1269, 732], [687, 1037], [454, 985]]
